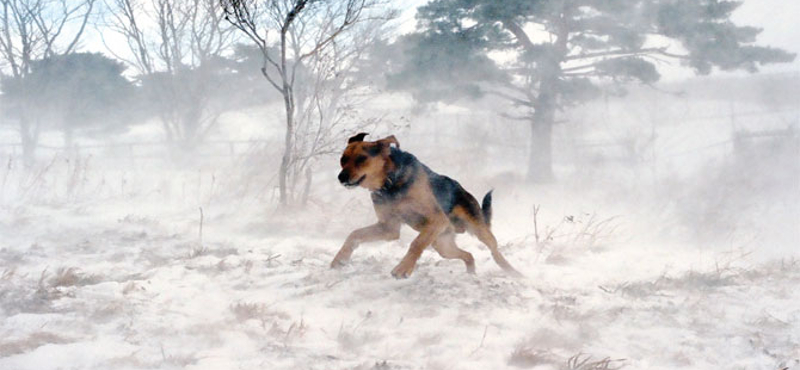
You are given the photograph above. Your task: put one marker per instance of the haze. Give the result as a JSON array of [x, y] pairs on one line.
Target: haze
[[169, 194]]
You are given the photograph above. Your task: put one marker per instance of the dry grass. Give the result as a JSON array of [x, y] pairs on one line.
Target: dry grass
[[244, 311], [273, 322], [18, 295], [72, 276], [45, 291], [572, 233], [525, 356], [351, 337], [33, 341], [247, 265], [8, 274], [582, 361], [179, 360], [296, 330], [196, 250], [50, 288], [721, 275], [130, 287], [108, 311]]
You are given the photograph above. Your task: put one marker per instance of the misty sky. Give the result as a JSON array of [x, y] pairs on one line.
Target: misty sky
[[778, 18]]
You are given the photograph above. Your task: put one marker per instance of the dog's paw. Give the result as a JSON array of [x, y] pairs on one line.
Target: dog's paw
[[338, 262], [403, 270], [341, 258]]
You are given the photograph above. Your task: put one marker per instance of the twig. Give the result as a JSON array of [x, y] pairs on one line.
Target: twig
[[272, 257], [485, 330], [535, 223], [201, 227], [5, 178]]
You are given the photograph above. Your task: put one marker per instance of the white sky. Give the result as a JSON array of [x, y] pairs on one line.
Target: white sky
[[778, 18]]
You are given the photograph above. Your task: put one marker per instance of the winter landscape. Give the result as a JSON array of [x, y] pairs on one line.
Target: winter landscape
[[169, 195]]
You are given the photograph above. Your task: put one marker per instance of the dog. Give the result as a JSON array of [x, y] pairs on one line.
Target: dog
[[406, 191]]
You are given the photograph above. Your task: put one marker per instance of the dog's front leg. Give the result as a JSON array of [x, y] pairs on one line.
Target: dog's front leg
[[418, 245], [379, 231]]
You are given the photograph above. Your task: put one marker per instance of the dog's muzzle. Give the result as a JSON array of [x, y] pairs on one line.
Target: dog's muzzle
[[344, 178]]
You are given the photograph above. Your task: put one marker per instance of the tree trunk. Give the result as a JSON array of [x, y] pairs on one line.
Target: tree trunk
[[29, 139], [191, 129], [28, 151], [540, 160], [540, 163], [69, 142], [288, 102], [307, 188], [283, 172]]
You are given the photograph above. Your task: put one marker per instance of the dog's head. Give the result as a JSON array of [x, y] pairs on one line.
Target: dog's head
[[364, 163]]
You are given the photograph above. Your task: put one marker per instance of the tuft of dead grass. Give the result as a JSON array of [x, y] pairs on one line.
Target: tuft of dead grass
[[72, 276], [244, 311], [108, 311], [179, 360], [572, 233], [8, 274], [33, 341], [200, 250], [702, 281], [527, 356], [351, 337], [583, 361], [49, 288], [131, 287]]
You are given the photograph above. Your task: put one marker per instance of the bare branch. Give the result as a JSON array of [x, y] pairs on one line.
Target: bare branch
[[660, 50], [519, 34]]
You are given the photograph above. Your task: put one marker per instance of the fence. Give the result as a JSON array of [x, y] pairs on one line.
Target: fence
[[475, 134], [143, 150]]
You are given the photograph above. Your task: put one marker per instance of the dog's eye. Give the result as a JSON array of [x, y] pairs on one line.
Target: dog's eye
[[343, 161], [374, 150], [360, 159]]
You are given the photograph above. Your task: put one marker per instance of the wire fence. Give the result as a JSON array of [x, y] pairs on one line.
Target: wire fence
[[483, 132]]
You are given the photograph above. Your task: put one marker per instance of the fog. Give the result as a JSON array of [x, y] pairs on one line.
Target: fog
[[169, 194]]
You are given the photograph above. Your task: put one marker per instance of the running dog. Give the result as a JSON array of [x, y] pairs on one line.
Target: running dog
[[406, 191]]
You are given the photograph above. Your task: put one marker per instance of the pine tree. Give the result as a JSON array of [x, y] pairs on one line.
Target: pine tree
[[564, 51]]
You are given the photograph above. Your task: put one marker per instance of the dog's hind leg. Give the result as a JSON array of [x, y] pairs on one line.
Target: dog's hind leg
[[482, 232], [376, 232], [445, 244], [434, 226]]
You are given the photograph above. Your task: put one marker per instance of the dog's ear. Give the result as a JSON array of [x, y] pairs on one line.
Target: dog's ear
[[388, 141], [357, 138], [382, 146]]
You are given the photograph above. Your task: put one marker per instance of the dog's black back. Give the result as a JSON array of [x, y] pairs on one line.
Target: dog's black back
[[448, 192]]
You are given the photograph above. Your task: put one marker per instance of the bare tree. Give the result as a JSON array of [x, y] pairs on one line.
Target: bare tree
[[31, 30], [311, 50], [176, 47]]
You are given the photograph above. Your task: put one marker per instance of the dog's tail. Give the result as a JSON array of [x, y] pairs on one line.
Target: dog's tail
[[486, 207]]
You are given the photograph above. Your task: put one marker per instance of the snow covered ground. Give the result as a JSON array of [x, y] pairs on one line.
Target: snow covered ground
[[118, 276]]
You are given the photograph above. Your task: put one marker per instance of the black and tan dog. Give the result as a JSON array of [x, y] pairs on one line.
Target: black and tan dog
[[406, 191]]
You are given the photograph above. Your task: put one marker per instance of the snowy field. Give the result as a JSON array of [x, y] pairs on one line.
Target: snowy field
[[105, 269], [147, 146]]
